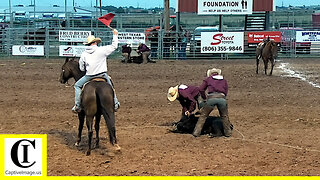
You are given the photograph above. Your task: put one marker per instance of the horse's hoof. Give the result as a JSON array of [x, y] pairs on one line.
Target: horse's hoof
[[117, 147], [88, 153]]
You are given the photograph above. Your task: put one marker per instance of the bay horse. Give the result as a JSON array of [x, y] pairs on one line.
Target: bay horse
[[96, 100], [269, 53]]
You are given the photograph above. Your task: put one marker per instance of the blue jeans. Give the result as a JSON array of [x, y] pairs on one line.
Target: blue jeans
[[182, 51], [79, 84], [221, 104]]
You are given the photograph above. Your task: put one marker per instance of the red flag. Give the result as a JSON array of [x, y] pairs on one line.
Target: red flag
[[106, 19]]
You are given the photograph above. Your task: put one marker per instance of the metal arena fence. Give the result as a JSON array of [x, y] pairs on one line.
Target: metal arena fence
[[178, 43]]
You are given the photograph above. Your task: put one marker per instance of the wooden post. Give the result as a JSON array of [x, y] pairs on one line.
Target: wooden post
[[100, 9], [166, 15]]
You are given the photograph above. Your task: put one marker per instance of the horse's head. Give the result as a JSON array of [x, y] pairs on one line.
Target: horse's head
[[70, 69], [273, 48]]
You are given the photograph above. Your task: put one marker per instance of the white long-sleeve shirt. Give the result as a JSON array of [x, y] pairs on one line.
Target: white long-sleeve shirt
[[94, 59]]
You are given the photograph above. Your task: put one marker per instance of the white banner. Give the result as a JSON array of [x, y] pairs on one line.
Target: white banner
[[209, 7], [131, 37], [73, 36], [308, 36], [222, 42], [28, 50], [71, 51]]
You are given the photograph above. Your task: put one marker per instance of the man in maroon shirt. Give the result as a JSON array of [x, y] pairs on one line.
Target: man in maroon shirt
[[126, 51], [187, 96], [145, 52], [217, 91]]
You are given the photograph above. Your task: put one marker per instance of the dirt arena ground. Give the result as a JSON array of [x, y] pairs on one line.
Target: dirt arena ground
[[276, 119]]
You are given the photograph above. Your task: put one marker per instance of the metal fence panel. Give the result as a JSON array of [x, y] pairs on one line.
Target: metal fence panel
[[164, 45]]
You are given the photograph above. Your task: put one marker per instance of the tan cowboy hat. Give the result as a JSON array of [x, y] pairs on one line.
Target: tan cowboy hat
[[173, 93], [91, 39], [213, 70]]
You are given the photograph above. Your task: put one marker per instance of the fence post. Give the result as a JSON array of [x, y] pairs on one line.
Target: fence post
[[176, 51], [119, 22], [160, 38], [160, 44], [46, 43], [9, 47]]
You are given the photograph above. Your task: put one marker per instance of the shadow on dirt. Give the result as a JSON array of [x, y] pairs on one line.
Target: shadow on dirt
[[70, 138]]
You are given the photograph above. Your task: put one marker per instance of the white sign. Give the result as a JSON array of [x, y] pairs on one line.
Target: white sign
[[22, 50], [308, 36], [73, 36], [71, 51], [222, 42], [131, 37], [209, 7]]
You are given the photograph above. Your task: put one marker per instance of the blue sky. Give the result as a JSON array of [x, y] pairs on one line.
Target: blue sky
[[135, 3]]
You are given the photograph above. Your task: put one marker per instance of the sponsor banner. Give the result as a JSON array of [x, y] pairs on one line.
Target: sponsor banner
[[28, 50], [23, 154], [73, 36], [222, 42], [131, 37], [308, 36], [71, 51], [210, 7], [257, 37]]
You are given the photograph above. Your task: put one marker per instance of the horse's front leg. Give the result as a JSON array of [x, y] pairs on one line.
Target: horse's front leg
[[97, 127], [272, 65], [81, 117], [265, 66], [89, 121]]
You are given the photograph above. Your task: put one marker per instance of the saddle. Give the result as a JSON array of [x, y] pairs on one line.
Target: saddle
[[99, 79]]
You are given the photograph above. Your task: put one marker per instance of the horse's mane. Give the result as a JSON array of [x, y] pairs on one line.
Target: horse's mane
[[72, 59], [271, 43], [76, 59]]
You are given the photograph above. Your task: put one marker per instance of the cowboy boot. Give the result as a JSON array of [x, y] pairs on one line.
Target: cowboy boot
[[225, 122], [204, 113]]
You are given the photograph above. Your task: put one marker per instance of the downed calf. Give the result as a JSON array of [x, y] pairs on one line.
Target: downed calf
[[213, 126], [138, 60]]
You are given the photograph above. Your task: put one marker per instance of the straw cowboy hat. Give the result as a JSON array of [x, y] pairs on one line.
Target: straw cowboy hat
[[91, 39], [213, 70], [173, 93]]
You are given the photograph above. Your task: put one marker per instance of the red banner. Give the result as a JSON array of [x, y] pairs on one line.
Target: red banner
[[257, 37]]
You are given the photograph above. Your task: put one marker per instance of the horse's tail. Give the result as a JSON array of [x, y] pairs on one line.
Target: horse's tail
[[105, 100]]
